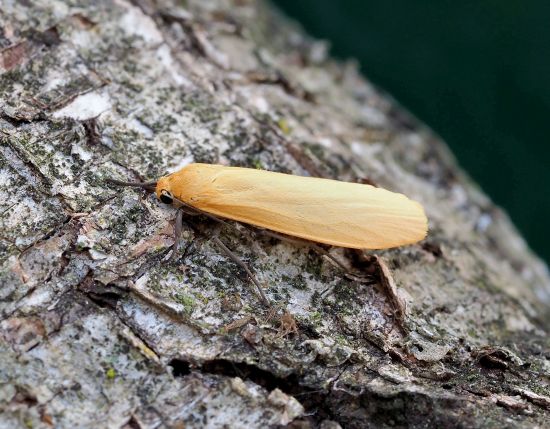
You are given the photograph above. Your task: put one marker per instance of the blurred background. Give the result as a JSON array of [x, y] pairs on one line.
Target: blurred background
[[476, 71]]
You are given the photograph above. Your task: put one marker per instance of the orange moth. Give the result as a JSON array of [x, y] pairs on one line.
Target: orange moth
[[325, 211]]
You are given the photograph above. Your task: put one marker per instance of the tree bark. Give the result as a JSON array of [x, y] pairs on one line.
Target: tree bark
[[98, 330]]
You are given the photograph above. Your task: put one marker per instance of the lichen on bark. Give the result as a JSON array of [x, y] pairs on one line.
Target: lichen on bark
[[98, 330]]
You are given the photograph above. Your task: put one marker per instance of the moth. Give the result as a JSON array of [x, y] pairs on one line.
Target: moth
[[321, 210], [333, 212]]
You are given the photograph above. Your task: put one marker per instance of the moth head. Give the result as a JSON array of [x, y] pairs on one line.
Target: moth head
[[164, 191]]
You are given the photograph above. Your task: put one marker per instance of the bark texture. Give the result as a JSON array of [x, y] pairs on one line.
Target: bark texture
[[97, 330]]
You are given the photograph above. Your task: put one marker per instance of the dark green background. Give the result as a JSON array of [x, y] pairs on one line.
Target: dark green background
[[476, 71]]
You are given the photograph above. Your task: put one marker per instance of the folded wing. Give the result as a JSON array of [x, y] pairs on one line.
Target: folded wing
[[326, 211]]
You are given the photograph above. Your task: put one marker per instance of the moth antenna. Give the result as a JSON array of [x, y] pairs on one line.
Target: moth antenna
[[150, 186]]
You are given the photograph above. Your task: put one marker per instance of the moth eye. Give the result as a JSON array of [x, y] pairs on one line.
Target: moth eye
[[166, 197]]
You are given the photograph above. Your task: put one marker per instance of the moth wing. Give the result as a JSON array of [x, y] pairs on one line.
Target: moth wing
[[327, 211]]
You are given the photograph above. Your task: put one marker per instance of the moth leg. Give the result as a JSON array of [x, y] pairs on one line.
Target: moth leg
[[193, 211], [178, 227], [245, 267], [315, 247], [311, 244]]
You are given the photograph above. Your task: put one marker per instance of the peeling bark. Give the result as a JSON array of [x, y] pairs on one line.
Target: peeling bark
[[97, 330]]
